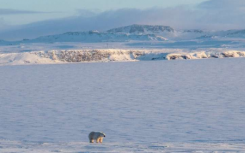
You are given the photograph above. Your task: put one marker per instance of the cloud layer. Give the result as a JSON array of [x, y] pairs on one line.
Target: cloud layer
[[222, 4], [12, 12], [212, 14]]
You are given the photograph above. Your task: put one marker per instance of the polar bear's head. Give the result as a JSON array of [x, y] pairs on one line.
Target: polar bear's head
[[102, 134]]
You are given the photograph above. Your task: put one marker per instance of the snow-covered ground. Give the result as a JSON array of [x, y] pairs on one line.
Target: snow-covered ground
[[153, 105], [157, 106], [84, 147]]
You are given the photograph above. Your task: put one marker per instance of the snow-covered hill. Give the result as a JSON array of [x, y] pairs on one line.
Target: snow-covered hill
[[96, 36], [227, 34], [137, 33], [109, 55]]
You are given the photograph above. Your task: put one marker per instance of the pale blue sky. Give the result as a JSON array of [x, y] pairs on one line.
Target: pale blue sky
[[65, 8], [70, 5], [18, 17]]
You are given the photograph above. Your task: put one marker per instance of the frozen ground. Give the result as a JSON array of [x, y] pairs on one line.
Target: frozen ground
[[157, 106]]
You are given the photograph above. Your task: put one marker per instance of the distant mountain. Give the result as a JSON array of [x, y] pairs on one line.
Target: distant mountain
[[235, 33], [96, 36], [207, 37], [135, 33], [193, 31], [3, 42], [142, 29], [222, 34], [123, 34]]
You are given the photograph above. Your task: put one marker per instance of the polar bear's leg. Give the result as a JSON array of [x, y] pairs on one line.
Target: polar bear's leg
[[91, 140], [98, 140], [101, 140]]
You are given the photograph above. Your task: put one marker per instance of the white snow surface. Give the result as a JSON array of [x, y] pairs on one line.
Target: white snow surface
[[159, 106], [84, 147]]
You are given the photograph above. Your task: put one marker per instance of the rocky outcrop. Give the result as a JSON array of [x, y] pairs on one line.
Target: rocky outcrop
[[142, 29], [110, 55]]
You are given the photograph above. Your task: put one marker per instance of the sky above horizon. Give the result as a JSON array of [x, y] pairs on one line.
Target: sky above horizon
[[27, 11], [33, 18]]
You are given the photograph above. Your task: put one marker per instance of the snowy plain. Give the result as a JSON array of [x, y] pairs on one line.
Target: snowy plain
[[153, 106], [140, 84]]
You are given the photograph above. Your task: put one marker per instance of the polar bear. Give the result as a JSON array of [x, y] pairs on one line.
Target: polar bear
[[98, 136]]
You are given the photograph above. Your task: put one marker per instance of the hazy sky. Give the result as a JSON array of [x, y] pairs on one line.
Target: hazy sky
[[32, 18], [16, 11]]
